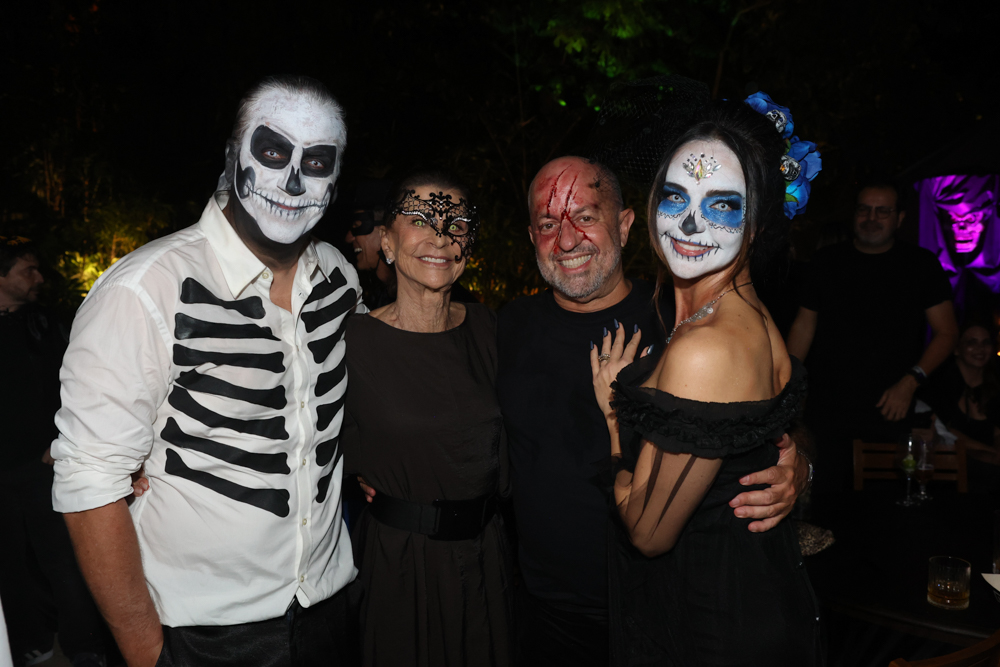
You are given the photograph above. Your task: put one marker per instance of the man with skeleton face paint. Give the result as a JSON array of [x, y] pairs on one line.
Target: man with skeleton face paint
[[213, 360]]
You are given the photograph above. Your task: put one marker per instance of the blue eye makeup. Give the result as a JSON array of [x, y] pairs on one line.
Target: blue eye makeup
[[673, 202], [723, 210]]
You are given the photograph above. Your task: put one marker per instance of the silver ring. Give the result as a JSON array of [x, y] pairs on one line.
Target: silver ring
[[604, 357]]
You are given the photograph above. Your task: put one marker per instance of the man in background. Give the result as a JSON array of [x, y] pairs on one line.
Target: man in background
[[865, 309], [34, 537]]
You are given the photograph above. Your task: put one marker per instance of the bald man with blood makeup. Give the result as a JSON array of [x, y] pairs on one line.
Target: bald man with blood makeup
[[559, 443]]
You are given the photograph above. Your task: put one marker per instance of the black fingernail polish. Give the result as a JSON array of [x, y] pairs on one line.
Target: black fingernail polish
[[616, 324], [635, 329], [605, 331], [591, 345], [650, 350]]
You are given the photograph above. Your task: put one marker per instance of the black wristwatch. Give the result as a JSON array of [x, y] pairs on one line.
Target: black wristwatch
[[918, 373]]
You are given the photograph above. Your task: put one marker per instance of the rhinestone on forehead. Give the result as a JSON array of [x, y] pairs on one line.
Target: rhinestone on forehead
[[700, 167]]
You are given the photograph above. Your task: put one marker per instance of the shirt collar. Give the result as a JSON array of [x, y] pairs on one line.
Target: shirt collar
[[240, 266]]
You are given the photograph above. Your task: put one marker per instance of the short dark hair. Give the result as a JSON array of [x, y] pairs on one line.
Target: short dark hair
[[882, 183], [437, 177], [13, 248]]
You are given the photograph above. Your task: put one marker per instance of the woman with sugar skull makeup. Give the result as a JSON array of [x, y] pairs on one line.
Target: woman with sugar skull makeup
[[423, 429], [696, 586]]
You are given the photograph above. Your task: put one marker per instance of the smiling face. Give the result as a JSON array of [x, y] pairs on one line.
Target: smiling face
[[288, 163], [422, 254], [974, 347], [578, 228], [700, 217], [364, 245]]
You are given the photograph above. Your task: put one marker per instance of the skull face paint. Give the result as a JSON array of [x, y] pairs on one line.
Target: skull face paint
[[288, 163], [966, 228], [699, 220]]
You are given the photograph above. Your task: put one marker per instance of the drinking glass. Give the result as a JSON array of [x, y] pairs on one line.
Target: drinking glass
[[925, 466], [906, 461], [948, 582]]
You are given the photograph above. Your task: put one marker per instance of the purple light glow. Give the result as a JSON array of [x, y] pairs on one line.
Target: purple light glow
[[958, 224]]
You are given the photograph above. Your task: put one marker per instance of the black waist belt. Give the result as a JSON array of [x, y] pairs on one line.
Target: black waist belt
[[442, 520]]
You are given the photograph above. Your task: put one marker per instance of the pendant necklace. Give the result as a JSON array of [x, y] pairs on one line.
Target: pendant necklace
[[704, 311]]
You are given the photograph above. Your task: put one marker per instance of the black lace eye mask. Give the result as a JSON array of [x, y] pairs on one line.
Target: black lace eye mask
[[459, 221]]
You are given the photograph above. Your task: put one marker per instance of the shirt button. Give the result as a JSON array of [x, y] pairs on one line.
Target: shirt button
[[265, 275], [303, 462], [305, 521], [302, 404], [302, 578]]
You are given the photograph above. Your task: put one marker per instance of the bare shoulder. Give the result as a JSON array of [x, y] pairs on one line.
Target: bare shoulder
[[727, 360]]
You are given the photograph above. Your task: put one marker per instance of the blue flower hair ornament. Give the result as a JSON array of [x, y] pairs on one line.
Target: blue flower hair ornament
[[801, 161]]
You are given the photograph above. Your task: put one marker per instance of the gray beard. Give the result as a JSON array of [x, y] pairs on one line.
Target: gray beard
[[564, 285]]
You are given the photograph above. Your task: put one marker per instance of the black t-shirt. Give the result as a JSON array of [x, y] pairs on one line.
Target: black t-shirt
[[32, 343], [559, 443], [871, 325]]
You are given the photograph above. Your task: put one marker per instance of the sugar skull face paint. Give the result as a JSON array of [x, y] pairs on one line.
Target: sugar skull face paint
[[700, 220], [288, 163]]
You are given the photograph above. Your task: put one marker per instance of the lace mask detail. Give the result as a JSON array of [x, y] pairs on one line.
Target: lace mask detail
[[459, 221]]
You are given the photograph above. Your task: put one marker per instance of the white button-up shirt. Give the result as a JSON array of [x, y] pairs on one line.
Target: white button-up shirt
[[179, 361]]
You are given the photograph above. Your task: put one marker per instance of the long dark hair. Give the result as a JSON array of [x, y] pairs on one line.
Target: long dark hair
[[758, 147], [989, 390]]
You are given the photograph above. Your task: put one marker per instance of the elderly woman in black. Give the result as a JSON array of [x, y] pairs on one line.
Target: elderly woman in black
[[423, 428]]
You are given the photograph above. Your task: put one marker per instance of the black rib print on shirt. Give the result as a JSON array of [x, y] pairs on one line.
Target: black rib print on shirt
[[325, 451], [272, 428], [186, 327], [206, 384], [262, 463], [185, 356], [272, 500], [330, 379], [314, 319], [193, 291]]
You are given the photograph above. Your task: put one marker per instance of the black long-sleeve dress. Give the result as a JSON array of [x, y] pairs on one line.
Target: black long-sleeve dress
[[423, 423], [722, 595]]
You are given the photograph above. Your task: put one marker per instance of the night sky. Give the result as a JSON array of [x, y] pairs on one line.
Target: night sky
[[124, 107]]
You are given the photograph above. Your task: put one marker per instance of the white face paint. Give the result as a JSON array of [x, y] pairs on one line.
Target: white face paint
[[699, 219], [288, 163]]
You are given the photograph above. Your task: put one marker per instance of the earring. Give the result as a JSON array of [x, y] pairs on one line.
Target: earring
[[389, 260]]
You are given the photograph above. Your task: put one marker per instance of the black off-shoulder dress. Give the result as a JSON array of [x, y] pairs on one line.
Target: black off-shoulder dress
[[722, 595]]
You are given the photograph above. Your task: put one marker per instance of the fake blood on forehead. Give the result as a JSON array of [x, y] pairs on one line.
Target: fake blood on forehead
[[570, 195]]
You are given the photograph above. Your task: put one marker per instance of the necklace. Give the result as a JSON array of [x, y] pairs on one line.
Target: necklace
[[704, 311]]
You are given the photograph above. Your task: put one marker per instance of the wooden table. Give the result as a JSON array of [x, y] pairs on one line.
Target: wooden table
[[877, 569]]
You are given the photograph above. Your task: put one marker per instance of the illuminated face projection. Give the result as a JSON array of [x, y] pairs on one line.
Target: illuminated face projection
[[699, 219], [965, 228], [288, 163]]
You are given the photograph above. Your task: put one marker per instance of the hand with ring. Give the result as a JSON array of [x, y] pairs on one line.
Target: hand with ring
[[613, 356]]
